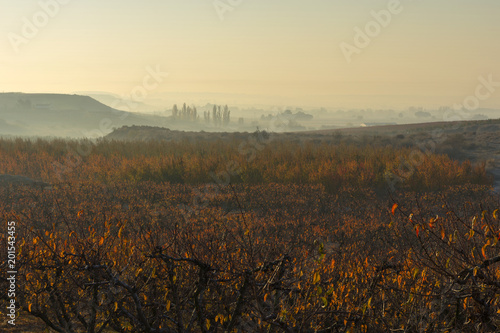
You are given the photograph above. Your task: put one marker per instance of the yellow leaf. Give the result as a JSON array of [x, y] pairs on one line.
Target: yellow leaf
[[316, 278], [29, 307], [495, 214], [101, 241], [208, 324], [120, 232], [325, 302]]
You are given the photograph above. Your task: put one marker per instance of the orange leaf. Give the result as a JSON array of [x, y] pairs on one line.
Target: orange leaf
[[394, 207], [432, 222], [483, 251], [167, 306]]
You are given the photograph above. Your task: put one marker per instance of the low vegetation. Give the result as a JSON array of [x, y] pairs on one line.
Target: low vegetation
[[254, 234]]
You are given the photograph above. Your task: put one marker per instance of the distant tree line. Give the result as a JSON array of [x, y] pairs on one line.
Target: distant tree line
[[186, 113], [220, 115]]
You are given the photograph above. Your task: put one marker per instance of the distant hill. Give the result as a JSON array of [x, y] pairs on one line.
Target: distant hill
[[63, 115], [153, 133], [118, 102]]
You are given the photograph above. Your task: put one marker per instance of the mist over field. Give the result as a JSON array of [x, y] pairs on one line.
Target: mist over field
[[249, 166], [315, 66], [96, 115]]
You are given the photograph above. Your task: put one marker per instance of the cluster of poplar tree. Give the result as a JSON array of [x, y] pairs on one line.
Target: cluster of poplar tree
[[220, 116], [186, 113]]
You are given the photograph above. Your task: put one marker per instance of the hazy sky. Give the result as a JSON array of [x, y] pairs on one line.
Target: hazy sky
[[289, 52]]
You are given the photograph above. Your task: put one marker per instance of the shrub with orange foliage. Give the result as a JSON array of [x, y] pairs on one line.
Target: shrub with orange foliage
[[313, 247]]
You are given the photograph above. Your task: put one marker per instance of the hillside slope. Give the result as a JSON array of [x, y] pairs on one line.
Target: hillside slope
[[63, 115]]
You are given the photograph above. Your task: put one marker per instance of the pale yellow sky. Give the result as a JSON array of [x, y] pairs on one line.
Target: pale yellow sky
[[429, 53]]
